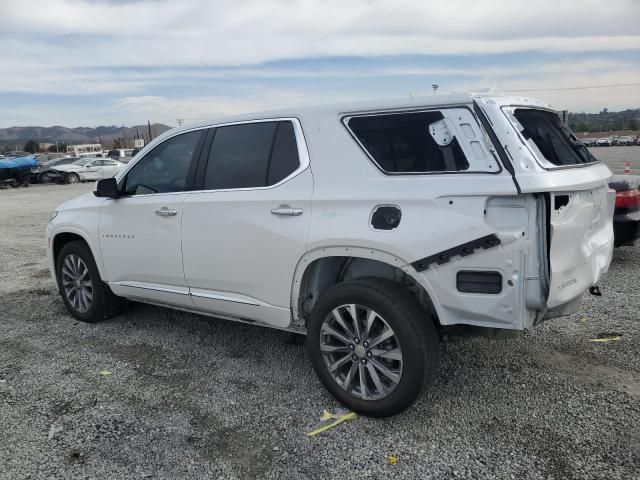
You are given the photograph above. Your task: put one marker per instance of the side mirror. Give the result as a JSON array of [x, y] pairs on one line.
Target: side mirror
[[107, 187]]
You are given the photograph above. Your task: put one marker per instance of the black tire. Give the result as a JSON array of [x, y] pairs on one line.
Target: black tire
[[414, 330], [104, 303], [72, 178], [44, 178]]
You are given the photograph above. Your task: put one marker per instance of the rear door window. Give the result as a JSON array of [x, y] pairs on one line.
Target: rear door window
[[550, 138], [251, 155]]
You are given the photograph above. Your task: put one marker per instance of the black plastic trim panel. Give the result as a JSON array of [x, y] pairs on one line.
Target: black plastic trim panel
[[468, 281], [463, 250]]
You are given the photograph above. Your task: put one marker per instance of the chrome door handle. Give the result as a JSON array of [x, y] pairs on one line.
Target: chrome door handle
[[286, 211], [166, 212]]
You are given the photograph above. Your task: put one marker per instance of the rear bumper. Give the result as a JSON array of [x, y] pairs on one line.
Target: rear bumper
[[626, 228]]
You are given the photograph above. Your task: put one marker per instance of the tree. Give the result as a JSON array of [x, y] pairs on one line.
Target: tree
[[634, 124], [59, 147], [582, 127], [31, 146]]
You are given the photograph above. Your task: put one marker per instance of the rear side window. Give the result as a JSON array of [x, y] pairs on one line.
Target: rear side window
[[403, 143], [551, 138], [251, 155]]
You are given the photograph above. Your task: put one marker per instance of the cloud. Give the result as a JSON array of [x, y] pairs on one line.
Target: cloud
[[167, 110], [169, 59], [227, 32]]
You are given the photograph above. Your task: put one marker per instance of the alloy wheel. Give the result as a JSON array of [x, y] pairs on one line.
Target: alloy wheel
[[77, 283], [361, 351]]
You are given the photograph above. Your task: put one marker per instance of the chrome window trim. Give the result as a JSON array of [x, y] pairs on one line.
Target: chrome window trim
[[301, 144]]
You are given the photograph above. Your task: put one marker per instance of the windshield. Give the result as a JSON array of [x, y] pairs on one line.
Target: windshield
[[83, 161], [550, 138]]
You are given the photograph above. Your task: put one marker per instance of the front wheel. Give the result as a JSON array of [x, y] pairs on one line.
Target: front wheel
[[72, 178], [86, 297], [372, 346]]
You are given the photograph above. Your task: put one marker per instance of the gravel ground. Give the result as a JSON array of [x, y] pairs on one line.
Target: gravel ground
[[195, 397]]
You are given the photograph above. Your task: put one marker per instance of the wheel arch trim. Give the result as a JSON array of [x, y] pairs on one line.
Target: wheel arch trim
[[86, 238], [357, 252]]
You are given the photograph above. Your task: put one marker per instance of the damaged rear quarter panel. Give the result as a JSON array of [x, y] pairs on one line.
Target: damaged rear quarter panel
[[581, 242]]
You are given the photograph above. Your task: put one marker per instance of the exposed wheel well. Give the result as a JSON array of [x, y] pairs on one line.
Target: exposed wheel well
[[326, 272], [61, 240]]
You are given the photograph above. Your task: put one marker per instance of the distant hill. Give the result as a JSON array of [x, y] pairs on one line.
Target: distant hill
[[605, 121], [104, 135]]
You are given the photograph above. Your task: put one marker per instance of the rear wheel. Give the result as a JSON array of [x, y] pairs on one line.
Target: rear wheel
[[84, 293], [372, 346], [72, 178]]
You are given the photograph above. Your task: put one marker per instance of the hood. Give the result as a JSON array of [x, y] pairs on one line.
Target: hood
[[83, 201]]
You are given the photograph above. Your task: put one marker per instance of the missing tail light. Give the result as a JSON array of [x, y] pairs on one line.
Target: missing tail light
[[628, 199]]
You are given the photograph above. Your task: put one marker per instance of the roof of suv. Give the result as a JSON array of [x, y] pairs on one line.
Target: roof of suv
[[400, 103]]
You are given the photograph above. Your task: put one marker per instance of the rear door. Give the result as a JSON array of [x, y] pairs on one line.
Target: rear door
[[92, 170], [547, 158], [246, 228], [110, 168]]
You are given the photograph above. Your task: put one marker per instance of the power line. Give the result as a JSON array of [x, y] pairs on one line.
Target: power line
[[589, 87]]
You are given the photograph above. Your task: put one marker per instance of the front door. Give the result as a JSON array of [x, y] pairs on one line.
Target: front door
[[245, 231], [140, 232]]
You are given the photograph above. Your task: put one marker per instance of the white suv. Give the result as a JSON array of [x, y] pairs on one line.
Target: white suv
[[374, 228]]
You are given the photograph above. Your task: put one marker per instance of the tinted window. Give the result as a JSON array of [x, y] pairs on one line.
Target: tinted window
[[553, 138], [165, 168], [251, 155], [401, 143], [284, 158]]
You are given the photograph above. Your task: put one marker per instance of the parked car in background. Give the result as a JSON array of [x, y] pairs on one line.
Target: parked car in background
[[121, 154], [86, 169], [17, 170], [626, 217], [43, 158], [43, 173], [625, 140], [589, 142], [603, 142], [373, 227]]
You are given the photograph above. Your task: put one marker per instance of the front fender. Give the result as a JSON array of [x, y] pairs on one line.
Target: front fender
[[52, 231]]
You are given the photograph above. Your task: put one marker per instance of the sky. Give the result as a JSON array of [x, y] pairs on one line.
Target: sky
[[123, 62]]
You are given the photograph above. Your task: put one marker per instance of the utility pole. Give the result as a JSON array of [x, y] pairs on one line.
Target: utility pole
[[435, 88], [179, 120]]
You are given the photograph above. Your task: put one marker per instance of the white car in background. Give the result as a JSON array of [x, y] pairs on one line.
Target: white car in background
[[88, 169]]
